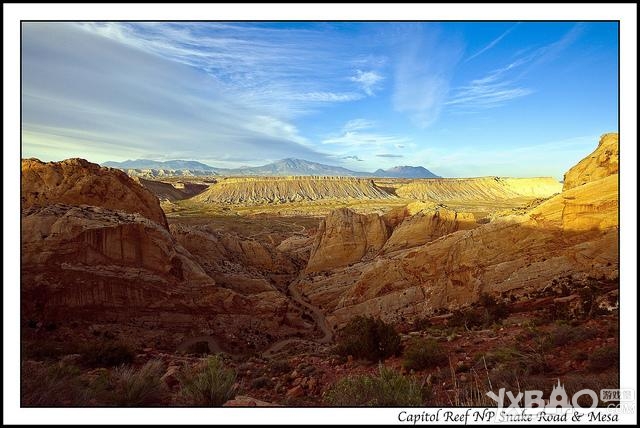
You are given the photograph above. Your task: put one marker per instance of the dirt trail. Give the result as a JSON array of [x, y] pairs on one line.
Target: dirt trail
[[317, 316], [296, 296]]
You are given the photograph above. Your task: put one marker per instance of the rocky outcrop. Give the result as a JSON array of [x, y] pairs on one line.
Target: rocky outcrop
[[243, 265], [574, 233], [101, 260], [172, 191], [346, 237], [599, 164], [79, 182], [269, 190], [426, 225]]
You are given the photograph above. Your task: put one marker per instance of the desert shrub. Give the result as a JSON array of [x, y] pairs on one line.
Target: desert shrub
[[494, 311], [142, 387], [422, 323], [564, 335], [604, 358], [422, 354], [280, 366], [487, 312], [54, 384], [261, 382], [388, 388], [47, 350], [107, 354], [368, 338], [211, 386], [198, 348]]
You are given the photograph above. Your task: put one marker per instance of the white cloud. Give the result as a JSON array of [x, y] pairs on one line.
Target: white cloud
[[368, 80], [502, 85], [491, 44], [287, 71], [357, 124], [423, 72], [84, 94]]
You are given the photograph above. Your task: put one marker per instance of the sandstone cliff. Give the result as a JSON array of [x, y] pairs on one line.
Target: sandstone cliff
[[345, 237], [107, 256], [78, 182], [573, 233], [602, 162]]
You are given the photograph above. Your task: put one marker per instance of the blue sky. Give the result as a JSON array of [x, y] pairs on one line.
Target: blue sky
[[461, 99]]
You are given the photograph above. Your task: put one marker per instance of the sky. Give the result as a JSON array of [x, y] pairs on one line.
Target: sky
[[462, 99]]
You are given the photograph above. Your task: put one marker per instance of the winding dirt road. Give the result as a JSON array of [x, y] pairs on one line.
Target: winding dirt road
[[296, 296]]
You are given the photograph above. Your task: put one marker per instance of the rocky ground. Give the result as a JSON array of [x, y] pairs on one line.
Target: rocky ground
[[118, 300]]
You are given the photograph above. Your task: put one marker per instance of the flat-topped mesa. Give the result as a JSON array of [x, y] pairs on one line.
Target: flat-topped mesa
[[264, 190], [480, 188], [79, 182], [600, 163]]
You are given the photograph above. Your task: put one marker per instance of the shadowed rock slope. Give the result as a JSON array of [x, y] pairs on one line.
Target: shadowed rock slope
[[95, 249]]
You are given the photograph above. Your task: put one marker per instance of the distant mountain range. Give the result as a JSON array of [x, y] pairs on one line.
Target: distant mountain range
[[287, 166]]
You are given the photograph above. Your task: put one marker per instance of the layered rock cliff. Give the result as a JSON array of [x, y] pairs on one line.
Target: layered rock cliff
[[602, 162], [107, 255], [79, 182], [573, 233]]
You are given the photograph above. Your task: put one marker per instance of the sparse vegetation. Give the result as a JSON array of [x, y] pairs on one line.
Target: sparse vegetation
[[107, 354], [198, 348], [53, 384], [128, 386], [604, 358], [485, 313], [422, 354], [368, 338], [388, 388], [211, 386]]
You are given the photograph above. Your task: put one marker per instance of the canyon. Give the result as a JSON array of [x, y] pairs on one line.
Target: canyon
[[267, 265]]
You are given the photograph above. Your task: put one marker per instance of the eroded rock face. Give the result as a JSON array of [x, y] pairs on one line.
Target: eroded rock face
[[79, 182], [108, 257], [346, 237], [426, 225], [244, 265], [573, 233], [602, 162]]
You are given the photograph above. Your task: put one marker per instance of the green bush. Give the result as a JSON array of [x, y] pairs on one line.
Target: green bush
[[211, 386], [130, 387], [604, 358], [107, 354], [422, 354], [368, 338], [388, 388]]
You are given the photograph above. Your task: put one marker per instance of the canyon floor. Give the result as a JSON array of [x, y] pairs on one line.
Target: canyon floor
[[488, 282]]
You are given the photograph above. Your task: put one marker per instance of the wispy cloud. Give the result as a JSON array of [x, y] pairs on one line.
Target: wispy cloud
[[105, 100], [288, 71], [352, 134], [389, 155], [368, 80], [358, 124], [353, 157], [423, 73], [505, 84], [491, 44]]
